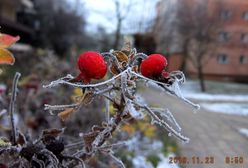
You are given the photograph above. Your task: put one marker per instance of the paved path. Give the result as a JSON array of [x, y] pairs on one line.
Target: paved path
[[211, 134]]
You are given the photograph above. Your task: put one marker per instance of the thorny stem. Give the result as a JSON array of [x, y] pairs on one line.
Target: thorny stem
[[12, 106], [164, 124]]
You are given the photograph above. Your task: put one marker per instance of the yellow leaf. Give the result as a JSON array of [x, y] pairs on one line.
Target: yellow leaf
[[65, 114], [6, 57], [77, 92], [7, 40]]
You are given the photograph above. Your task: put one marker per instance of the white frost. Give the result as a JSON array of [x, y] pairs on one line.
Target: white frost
[[244, 131], [227, 108], [216, 97]]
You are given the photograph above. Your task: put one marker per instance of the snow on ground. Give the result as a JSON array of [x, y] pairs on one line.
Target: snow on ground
[[232, 98], [244, 131], [216, 91], [216, 97], [227, 108]]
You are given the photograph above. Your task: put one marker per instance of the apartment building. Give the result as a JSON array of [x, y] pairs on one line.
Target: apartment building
[[229, 61]]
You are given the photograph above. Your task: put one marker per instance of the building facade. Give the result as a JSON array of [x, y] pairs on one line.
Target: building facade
[[229, 61]]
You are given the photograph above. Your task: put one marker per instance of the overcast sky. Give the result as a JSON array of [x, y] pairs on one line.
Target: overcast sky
[[102, 13]]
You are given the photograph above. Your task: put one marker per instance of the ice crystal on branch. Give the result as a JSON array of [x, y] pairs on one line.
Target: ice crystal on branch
[[120, 90]]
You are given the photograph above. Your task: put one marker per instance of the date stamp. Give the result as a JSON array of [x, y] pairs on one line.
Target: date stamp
[[183, 160], [192, 160]]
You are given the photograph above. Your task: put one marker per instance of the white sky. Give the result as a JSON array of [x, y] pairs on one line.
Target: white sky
[[102, 13]]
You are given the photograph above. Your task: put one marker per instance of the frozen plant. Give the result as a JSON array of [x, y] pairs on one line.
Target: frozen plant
[[126, 67]]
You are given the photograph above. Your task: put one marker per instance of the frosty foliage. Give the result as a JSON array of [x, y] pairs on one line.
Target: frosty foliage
[[120, 91]]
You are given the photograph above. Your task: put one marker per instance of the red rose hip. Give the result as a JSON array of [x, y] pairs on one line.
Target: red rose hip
[[92, 66], [153, 65]]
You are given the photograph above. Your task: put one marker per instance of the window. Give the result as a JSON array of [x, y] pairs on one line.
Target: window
[[225, 14], [244, 37], [222, 59], [223, 36], [242, 59], [245, 15]]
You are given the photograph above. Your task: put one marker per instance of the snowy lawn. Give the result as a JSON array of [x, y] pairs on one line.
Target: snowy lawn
[[227, 108], [221, 97]]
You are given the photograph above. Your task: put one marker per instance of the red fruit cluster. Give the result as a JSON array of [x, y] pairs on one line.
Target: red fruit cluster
[[92, 66], [153, 66]]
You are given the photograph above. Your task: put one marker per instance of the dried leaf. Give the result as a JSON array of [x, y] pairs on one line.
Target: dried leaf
[[87, 98], [88, 138], [97, 128], [53, 132], [114, 69], [66, 113], [122, 59], [7, 40], [21, 139], [6, 57]]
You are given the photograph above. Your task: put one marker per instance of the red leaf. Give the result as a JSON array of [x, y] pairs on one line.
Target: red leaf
[[7, 40]]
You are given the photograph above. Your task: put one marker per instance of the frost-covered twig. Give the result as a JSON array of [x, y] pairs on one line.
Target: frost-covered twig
[[136, 57], [167, 89], [168, 115], [118, 161], [59, 107], [61, 81], [162, 123], [12, 106], [157, 120], [113, 57]]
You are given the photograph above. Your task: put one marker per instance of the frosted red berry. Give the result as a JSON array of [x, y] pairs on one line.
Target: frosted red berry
[[92, 66], [153, 66]]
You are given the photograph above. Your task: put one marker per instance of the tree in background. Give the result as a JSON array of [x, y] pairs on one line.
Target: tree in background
[[121, 13], [197, 28], [59, 26], [193, 33]]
